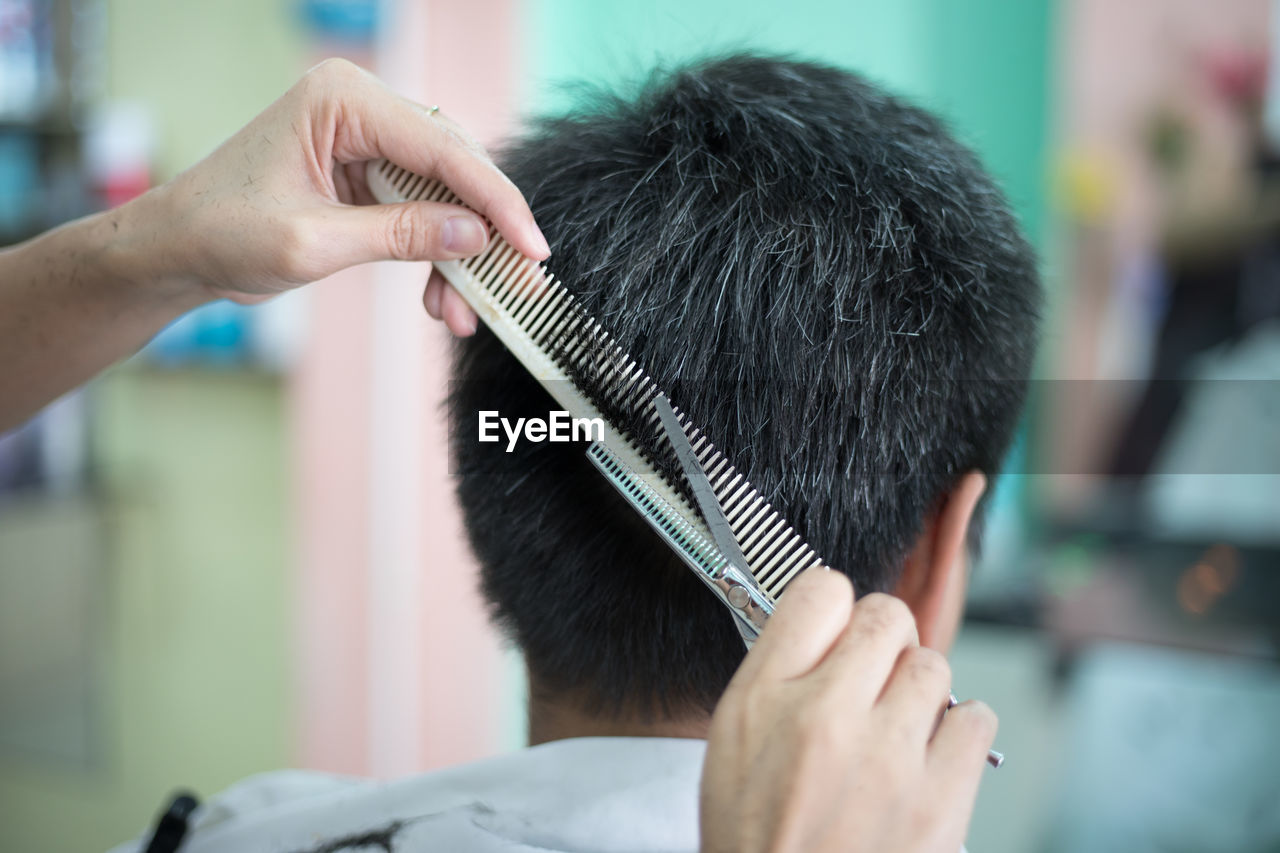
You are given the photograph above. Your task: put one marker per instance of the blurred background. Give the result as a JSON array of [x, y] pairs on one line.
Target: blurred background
[[237, 552]]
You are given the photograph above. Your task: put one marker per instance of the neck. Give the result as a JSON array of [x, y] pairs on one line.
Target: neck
[[556, 716]]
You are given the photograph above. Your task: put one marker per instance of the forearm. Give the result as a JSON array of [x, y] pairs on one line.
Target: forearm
[[82, 297], [280, 204]]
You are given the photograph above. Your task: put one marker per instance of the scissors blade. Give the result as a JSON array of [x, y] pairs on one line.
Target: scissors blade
[[703, 493]]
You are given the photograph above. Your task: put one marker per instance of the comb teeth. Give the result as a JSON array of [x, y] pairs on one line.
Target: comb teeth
[[775, 553], [592, 377]]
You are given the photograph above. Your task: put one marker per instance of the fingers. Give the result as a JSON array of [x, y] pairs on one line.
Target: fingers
[[916, 693], [410, 231], [443, 303], [958, 754], [467, 170], [808, 620], [964, 736], [863, 658], [383, 124], [431, 296], [457, 314]]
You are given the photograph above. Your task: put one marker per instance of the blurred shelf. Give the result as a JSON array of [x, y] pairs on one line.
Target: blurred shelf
[[53, 126], [199, 372], [1084, 585]]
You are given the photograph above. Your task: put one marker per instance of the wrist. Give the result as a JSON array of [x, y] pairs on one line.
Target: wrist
[[142, 256]]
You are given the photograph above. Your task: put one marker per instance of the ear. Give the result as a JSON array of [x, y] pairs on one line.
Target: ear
[[935, 574]]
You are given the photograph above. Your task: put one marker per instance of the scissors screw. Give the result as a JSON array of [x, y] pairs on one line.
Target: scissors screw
[[738, 596]]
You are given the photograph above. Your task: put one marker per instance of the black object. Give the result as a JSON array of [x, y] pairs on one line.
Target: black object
[[172, 826]]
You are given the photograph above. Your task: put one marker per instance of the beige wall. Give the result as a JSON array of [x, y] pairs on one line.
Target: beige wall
[[194, 679], [202, 68], [195, 683]]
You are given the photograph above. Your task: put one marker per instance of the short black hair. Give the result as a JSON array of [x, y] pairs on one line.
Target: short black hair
[[841, 296]]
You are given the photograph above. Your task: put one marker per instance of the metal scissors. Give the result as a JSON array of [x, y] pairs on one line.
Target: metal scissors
[[733, 581], [738, 588]]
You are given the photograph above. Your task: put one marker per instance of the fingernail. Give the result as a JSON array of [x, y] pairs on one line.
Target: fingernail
[[539, 240], [464, 234], [472, 323]]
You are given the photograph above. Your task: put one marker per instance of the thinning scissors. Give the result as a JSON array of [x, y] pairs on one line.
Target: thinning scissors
[[748, 603]]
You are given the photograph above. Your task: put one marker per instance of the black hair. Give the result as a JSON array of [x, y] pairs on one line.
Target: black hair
[[823, 278]]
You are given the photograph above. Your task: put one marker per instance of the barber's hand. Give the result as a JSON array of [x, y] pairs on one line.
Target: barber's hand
[[825, 739], [284, 201]]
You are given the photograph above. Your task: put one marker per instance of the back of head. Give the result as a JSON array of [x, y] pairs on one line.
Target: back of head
[[827, 283]]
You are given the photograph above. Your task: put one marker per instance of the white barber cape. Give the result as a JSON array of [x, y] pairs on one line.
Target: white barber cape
[[582, 794]]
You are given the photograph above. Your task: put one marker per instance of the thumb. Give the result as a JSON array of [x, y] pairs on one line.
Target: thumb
[[407, 231], [811, 616]]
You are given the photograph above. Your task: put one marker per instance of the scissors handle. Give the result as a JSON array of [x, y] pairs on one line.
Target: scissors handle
[[995, 759]]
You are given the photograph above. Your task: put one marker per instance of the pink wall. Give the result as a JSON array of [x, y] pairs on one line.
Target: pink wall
[[473, 60], [1120, 59], [1119, 63], [399, 669], [330, 438]]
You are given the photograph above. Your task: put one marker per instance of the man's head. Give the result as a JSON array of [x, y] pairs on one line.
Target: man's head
[[834, 291]]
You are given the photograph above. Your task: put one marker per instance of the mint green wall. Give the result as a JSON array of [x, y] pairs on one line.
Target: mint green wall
[[980, 63], [582, 39], [991, 76]]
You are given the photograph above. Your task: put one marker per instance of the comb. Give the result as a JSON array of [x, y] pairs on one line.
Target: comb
[[588, 373]]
